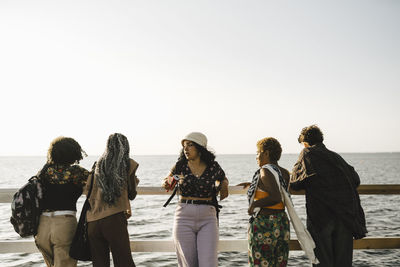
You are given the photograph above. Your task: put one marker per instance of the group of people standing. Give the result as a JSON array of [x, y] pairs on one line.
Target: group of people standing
[[334, 212], [112, 182], [333, 206]]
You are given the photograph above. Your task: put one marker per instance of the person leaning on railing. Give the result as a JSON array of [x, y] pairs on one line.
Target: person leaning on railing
[[110, 206], [334, 212], [269, 228], [195, 227], [63, 182]]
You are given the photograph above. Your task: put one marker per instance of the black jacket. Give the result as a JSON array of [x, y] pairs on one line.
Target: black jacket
[[331, 189]]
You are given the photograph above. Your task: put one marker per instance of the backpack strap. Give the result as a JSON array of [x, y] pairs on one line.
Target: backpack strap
[[41, 173]]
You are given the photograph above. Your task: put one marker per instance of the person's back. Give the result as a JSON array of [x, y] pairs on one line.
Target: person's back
[[334, 213], [63, 181], [329, 187], [110, 206], [64, 185]]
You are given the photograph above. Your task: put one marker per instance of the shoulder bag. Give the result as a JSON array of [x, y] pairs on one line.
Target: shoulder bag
[[303, 236], [80, 247]]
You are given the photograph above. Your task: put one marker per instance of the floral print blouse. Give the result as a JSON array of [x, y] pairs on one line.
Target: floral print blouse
[[202, 186], [63, 185], [61, 174]]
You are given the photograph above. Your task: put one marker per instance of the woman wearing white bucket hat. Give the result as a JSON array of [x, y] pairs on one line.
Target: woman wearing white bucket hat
[[195, 224]]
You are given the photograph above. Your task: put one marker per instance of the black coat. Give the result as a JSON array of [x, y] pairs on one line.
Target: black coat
[[331, 189]]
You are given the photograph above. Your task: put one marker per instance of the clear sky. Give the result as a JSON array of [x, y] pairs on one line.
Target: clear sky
[[237, 71]]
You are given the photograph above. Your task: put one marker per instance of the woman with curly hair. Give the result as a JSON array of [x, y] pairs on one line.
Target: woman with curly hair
[[269, 232], [114, 184], [195, 227], [63, 181]]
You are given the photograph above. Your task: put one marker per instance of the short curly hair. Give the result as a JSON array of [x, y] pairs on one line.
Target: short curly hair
[[64, 150], [272, 145], [311, 134]]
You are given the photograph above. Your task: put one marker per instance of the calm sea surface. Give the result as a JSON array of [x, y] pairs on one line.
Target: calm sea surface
[[151, 221]]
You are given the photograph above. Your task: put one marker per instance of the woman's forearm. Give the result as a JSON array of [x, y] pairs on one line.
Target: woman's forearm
[[224, 192]]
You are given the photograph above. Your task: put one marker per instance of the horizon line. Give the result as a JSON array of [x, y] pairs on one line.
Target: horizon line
[[227, 154]]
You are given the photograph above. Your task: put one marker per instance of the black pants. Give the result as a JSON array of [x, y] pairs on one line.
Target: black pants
[[110, 233], [334, 245]]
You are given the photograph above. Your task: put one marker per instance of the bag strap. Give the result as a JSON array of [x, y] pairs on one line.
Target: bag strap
[[91, 181], [257, 209], [175, 188], [305, 239], [255, 189], [172, 195], [214, 201], [276, 175], [40, 173]]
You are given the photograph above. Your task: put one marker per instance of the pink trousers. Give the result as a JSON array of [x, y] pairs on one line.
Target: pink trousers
[[196, 235]]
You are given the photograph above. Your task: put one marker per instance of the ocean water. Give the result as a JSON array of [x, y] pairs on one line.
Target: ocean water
[[151, 221]]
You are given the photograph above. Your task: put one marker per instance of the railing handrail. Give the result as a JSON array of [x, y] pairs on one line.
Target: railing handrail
[[225, 245], [6, 194]]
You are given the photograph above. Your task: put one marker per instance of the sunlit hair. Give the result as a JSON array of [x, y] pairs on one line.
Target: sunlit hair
[[311, 134], [206, 156], [64, 150], [112, 168], [272, 145]]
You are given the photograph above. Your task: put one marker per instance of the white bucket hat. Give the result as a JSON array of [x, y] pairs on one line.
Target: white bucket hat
[[196, 137]]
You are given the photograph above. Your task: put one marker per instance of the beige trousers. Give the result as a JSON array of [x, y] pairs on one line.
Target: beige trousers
[[54, 238]]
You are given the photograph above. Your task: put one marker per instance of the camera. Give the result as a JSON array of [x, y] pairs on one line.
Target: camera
[[171, 181]]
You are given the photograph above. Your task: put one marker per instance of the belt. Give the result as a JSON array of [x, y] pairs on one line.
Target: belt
[[59, 213], [197, 202]]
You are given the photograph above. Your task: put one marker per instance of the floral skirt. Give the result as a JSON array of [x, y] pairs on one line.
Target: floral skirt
[[268, 238]]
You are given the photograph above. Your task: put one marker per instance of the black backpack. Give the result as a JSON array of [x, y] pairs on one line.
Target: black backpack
[[26, 208]]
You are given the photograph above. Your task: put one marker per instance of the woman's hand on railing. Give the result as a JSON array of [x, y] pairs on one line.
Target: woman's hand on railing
[[244, 184]]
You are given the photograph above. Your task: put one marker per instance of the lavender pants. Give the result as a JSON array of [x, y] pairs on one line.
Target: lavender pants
[[196, 235]]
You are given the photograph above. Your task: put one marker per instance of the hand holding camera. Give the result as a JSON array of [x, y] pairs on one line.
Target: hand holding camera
[[171, 181]]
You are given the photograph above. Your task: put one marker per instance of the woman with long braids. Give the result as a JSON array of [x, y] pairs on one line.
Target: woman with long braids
[[114, 179], [195, 227]]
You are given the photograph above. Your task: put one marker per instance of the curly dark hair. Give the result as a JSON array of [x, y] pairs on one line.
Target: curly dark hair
[[311, 134], [205, 155], [64, 150], [272, 145]]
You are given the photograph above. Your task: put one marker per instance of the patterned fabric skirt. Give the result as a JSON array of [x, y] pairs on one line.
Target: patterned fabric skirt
[[268, 238]]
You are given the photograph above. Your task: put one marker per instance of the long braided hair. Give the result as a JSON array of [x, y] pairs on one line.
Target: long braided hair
[[112, 168]]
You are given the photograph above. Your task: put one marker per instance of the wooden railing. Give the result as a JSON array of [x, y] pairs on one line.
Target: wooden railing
[[224, 245]]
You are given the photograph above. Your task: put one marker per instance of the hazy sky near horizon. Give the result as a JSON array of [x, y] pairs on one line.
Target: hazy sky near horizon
[[237, 71]]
